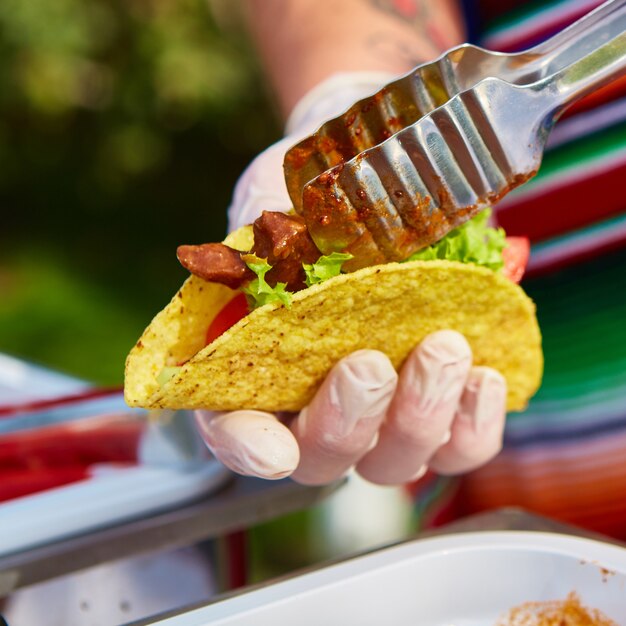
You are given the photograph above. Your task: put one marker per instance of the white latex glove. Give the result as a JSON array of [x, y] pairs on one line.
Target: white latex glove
[[439, 412]]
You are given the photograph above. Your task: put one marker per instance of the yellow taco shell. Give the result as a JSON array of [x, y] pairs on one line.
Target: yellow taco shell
[[276, 357]]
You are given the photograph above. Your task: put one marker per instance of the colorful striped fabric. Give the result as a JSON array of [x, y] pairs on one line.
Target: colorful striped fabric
[[511, 26], [566, 455]]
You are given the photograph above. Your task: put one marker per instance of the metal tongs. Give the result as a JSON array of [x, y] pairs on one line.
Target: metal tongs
[[400, 169]]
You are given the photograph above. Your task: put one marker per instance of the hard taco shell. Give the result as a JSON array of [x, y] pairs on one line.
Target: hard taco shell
[[276, 357]]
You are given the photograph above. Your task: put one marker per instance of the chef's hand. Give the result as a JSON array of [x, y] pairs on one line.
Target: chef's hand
[[439, 412]]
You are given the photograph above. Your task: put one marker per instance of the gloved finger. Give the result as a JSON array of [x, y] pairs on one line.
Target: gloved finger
[[476, 435], [261, 187], [341, 422], [252, 443], [421, 414]]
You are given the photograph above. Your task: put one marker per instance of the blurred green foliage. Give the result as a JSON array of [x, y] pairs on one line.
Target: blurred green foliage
[[124, 125]]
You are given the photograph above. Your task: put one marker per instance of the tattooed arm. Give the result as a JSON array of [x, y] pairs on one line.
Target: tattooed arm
[[302, 42]]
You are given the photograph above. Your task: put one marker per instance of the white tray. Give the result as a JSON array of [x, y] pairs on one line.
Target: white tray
[[457, 580]]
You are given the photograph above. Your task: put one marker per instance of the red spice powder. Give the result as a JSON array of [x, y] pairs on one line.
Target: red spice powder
[[568, 612]]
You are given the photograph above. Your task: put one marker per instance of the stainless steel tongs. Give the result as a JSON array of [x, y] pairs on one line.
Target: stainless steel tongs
[[400, 169]]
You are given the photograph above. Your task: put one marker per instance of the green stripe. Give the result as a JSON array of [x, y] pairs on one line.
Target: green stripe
[[523, 12], [582, 315], [590, 390]]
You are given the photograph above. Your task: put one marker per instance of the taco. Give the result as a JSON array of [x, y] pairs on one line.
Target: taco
[[265, 316]]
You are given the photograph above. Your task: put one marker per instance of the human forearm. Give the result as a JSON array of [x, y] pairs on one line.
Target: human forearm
[[302, 42]]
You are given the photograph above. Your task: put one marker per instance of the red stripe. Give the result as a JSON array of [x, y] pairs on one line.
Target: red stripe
[[612, 92], [567, 207], [10, 410], [97, 441], [20, 483], [237, 550]]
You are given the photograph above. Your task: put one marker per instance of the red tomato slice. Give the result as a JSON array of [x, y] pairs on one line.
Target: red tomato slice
[[231, 313], [515, 257]]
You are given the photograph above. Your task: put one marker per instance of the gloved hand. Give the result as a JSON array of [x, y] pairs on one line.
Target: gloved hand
[[439, 412]]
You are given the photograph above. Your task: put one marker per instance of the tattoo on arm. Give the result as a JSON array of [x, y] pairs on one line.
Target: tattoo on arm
[[385, 47], [420, 16]]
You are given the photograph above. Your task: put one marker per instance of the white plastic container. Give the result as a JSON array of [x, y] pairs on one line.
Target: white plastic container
[[457, 580]]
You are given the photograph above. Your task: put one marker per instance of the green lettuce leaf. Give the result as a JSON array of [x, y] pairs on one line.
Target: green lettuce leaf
[[473, 242], [259, 291], [325, 267]]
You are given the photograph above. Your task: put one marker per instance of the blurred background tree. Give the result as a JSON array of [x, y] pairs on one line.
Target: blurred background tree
[[124, 125]]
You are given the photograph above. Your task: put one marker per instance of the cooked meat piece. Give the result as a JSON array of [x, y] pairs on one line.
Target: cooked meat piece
[[215, 262], [286, 244], [281, 239]]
